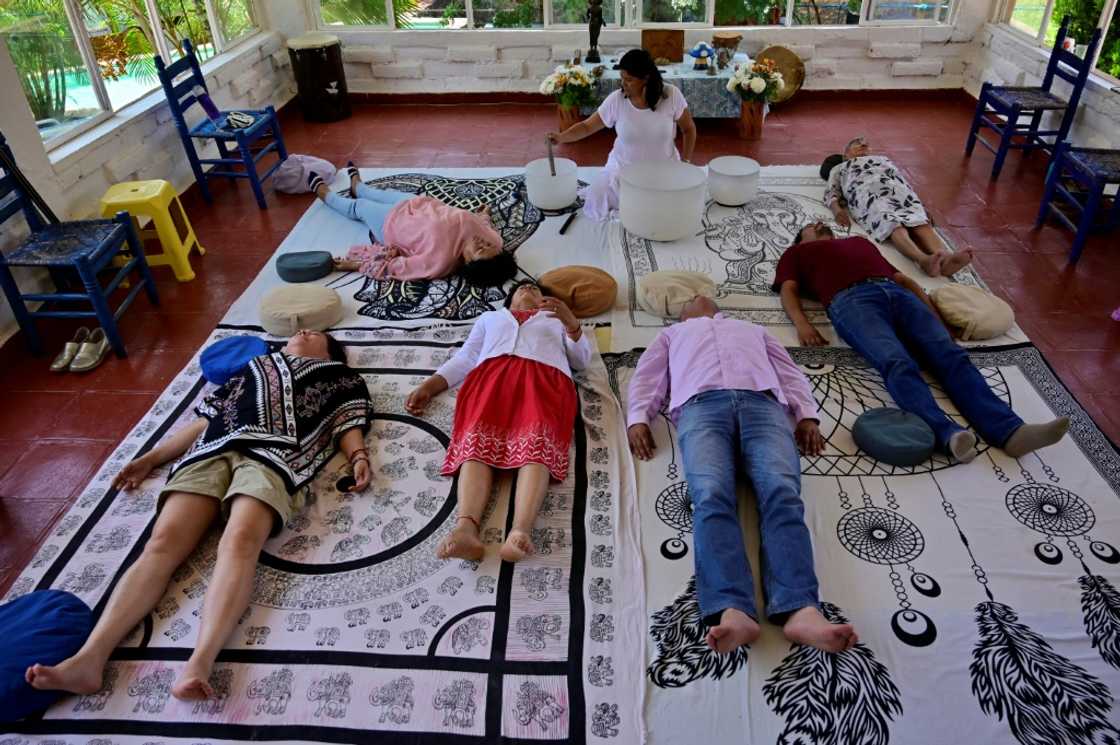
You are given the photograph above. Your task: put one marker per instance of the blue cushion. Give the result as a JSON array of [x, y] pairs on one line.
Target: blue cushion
[[223, 359], [42, 627], [893, 436], [304, 266]]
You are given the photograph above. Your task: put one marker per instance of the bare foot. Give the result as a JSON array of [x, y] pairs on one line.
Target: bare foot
[[322, 190], [346, 265], [809, 627], [193, 684], [931, 264], [954, 262], [75, 675], [517, 546], [461, 543], [735, 629]]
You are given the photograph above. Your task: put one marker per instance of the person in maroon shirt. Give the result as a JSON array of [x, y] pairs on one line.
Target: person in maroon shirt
[[888, 318]]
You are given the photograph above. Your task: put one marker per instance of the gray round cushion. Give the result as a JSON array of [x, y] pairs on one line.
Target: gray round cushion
[[304, 266], [893, 436]]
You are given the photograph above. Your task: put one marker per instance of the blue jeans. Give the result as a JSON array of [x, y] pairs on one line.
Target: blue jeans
[[895, 332], [717, 430], [371, 207]]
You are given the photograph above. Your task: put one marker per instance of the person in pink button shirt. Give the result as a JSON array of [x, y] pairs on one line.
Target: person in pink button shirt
[[418, 237], [733, 392]]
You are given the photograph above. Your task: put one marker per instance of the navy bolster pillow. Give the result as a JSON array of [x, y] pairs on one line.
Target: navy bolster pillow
[[893, 436], [225, 358], [304, 266], [44, 627]]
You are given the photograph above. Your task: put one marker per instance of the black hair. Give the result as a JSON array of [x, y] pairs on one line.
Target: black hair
[[797, 238], [640, 64], [492, 272], [335, 350], [516, 286], [829, 163]]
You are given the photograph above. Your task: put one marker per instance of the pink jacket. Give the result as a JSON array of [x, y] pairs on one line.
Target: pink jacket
[[425, 240]]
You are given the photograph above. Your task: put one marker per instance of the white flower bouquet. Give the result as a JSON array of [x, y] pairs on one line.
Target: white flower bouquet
[[758, 81], [570, 85]]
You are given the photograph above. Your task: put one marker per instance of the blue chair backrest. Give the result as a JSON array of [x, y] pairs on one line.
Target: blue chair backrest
[[179, 95], [1067, 65], [13, 198]]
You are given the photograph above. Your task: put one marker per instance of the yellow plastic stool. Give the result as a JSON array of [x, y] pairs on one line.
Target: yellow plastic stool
[[157, 199]]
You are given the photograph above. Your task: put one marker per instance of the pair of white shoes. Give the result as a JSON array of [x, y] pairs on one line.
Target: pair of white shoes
[[87, 350]]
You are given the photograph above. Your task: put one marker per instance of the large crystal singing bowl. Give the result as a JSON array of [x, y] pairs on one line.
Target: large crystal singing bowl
[[661, 200], [733, 180], [548, 192]]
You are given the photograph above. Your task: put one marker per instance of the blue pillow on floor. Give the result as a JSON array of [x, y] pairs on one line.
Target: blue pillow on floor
[[225, 358], [45, 627], [893, 436]]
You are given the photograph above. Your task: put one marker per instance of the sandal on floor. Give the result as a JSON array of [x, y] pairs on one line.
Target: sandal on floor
[[70, 350], [351, 172], [91, 353]]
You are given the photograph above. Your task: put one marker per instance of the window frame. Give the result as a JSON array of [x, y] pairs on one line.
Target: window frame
[[631, 11], [85, 49], [1108, 11]]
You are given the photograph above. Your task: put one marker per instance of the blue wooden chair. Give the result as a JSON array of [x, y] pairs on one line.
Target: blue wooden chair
[[1011, 103], [81, 249], [1092, 170], [180, 97]]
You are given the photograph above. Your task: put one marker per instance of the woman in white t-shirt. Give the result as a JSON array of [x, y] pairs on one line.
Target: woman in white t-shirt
[[645, 113]]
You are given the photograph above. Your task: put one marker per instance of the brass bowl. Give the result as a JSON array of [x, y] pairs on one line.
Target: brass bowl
[[790, 66]]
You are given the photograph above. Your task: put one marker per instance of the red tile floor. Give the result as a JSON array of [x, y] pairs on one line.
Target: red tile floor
[[55, 430]]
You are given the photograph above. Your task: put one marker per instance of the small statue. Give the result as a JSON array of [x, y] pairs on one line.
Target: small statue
[[594, 26]]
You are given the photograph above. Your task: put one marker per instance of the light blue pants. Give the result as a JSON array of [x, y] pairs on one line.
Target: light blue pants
[[720, 431], [371, 207]]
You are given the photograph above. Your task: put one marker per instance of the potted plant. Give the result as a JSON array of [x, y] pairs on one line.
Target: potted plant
[[757, 84], [573, 87]]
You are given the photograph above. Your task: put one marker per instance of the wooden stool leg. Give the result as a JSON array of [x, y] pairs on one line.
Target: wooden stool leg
[[19, 309], [1085, 226]]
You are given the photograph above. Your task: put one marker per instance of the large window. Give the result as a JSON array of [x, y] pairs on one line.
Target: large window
[[1041, 19], [478, 14], [79, 60]]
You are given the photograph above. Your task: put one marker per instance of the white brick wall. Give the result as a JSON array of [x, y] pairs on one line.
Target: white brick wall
[[926, 68]]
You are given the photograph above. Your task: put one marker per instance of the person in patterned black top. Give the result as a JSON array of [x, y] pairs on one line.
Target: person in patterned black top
[[259, 439], [870, 189]]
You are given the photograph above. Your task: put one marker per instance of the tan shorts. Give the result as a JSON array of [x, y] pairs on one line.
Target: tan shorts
[[227, 475]]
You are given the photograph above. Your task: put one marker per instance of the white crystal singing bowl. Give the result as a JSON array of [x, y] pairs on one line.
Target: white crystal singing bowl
[[733, 180], [661, 200], [548, 192]]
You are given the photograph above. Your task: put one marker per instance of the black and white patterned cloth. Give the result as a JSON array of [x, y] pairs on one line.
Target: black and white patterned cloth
[[878, 197]]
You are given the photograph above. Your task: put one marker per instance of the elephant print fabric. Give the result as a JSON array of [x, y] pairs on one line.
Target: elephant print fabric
[[355, 630]]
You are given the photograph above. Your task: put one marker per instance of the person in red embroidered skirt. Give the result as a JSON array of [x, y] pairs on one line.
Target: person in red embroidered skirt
[[515, 411]]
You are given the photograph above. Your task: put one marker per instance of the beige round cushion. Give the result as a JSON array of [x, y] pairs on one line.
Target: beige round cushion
[[290, 308], [665, 293], [588, 291], [977, 313]]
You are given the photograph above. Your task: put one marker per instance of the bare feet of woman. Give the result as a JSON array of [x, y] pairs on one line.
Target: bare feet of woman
[[517, 546], [931, 264], [75, 675], [809, 627], [462, 542], [735, 629], [193, 684], [954, 262], [346, 265]]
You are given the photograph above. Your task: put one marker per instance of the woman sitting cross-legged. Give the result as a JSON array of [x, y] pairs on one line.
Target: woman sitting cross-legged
[[516, 411], [645, 113], [247, 464], [418, 237], [869, 188]]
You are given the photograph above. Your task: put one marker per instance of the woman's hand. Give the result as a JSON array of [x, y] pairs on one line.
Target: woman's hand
[[808, 335], [420, 397], [558, 309], [808, 436], [641, 441], [554, 138], [134, 473], [361, 475]]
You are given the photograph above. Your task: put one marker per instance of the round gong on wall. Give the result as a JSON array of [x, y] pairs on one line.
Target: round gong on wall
[[790, 66]]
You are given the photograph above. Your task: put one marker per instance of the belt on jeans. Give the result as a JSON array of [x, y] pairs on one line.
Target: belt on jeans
[[866, 281]]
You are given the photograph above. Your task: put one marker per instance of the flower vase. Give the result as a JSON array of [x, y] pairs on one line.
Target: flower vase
[[750, 120], [569, 115]]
